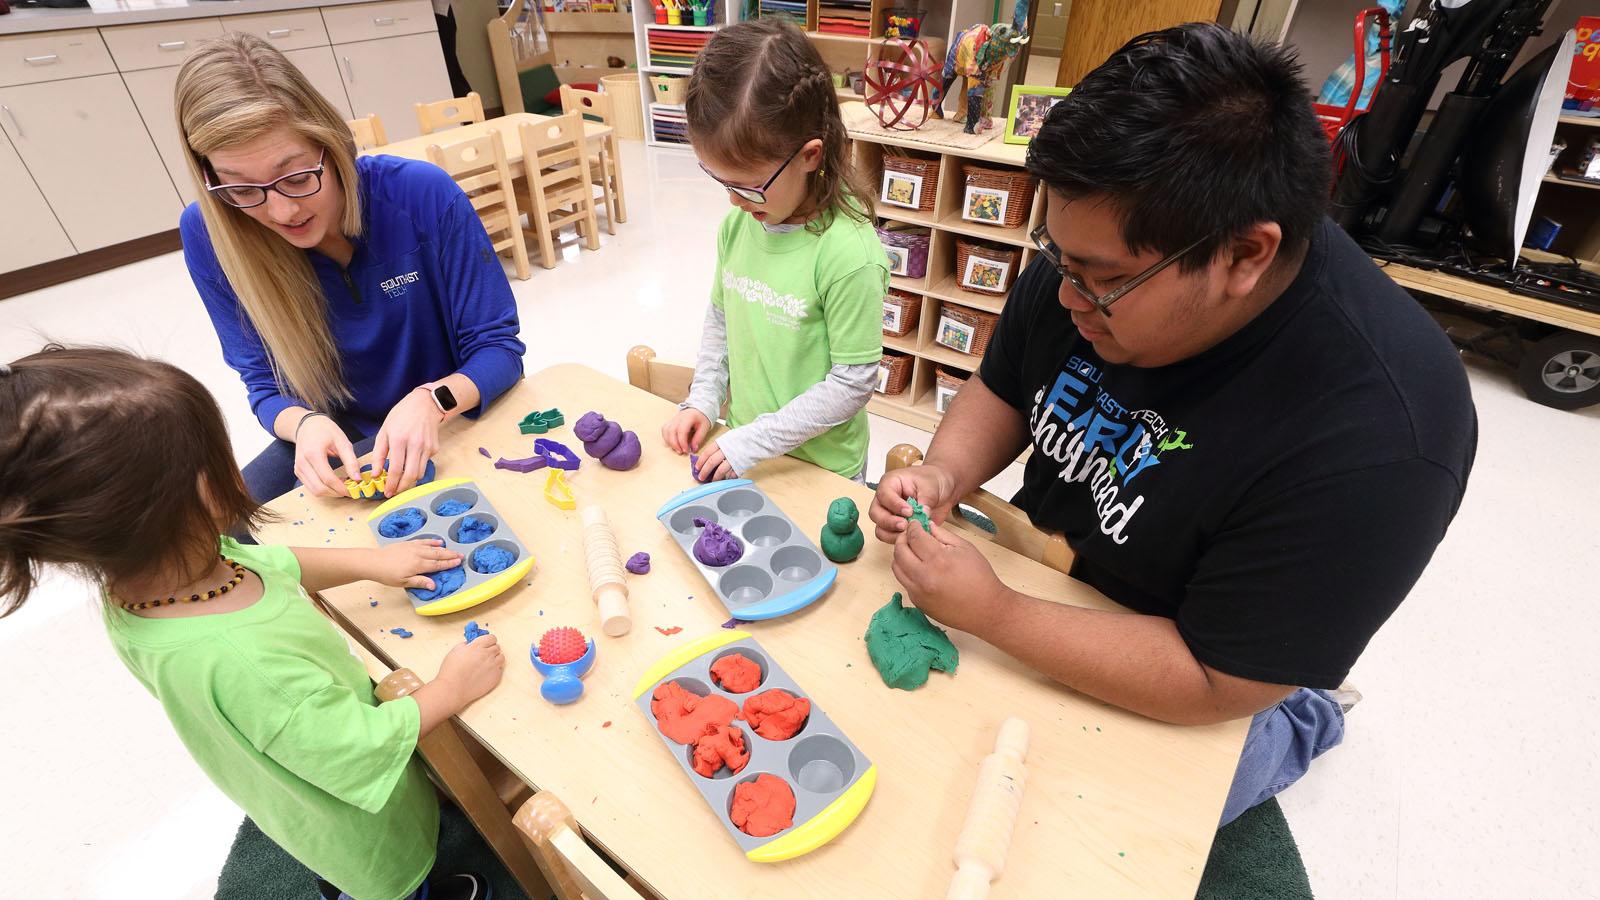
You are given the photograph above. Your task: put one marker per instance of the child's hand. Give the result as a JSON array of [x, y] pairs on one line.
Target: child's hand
[[713, 465], [684, 431], [408, 563], [472, 669]]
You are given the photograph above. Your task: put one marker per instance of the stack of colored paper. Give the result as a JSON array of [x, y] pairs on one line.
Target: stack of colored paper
[[670, 125], [845, 17], [785, 8], [675, 48]]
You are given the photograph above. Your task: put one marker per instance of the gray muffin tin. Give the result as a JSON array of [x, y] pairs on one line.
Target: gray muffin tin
[[781, 570], [819, 763], [447, 528]]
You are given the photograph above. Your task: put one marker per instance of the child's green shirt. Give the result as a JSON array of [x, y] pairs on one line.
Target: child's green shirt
[[798, 303], [281, 716]]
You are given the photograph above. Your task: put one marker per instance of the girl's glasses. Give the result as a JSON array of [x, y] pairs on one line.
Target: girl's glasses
[[1102, 302], [754, 195], [294, 185]]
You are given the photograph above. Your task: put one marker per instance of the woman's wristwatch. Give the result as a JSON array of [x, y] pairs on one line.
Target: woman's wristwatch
[[442, 397]]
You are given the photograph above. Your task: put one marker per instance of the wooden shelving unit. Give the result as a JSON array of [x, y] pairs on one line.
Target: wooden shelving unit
[[643, 22], [586, 40], [940, 286]]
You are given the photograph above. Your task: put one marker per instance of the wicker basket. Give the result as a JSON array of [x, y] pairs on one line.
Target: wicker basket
[[672, 90], [946, 382], [623, 90], [894, 373], [901, 310], [965, 330], [914, 241], [918, 167], [995, 270], [1015, 183]]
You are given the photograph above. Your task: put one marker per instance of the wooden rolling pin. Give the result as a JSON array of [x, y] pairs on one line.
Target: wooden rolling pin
[[986, 835], [605, 572]]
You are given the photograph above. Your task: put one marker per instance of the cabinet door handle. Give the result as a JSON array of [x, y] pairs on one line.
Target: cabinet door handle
[[44, 60], [173, 45], [278, 32], [383, 20], [349, 72], [14, 123]]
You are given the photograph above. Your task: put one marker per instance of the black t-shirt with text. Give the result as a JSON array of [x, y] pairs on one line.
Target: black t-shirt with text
[[1277, 495]]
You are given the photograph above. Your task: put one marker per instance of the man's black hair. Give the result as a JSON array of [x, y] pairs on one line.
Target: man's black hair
[[1191, 132]]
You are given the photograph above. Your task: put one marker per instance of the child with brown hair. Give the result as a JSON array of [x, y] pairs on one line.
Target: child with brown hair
[[120, 469], [794, 329]]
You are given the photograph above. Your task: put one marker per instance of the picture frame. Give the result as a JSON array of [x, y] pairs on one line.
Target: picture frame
[[985, 274], [985, 205], [899, 260], [900, 189], [955, 335], [891, 317], [1029, 105]]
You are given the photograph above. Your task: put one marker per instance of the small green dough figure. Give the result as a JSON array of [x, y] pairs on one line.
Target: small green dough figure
[[842, 539], [905, 646], [919, 515]]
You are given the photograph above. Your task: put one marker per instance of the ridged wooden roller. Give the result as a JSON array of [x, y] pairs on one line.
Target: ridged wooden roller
[[606, 575], [986, 835]]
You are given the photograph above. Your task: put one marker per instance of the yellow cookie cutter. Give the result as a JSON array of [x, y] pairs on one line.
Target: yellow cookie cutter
[[370, 485], [558, 492]]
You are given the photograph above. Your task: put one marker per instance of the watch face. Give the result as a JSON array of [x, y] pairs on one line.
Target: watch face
[[447, 400]]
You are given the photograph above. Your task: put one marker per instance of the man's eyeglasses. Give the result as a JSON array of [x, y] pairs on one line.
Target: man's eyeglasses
[[755, 195], [294, 185], [1102, 302]]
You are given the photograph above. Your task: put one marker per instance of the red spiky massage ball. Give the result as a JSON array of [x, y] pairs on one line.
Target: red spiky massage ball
[[562, 645]]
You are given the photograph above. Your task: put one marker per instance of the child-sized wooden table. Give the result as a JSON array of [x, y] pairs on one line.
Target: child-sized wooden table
[[1116, 805]]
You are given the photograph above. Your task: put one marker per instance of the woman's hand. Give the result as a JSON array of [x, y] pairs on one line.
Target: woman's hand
[[684, 431], [408, 439], [317, 439], [407, 564]]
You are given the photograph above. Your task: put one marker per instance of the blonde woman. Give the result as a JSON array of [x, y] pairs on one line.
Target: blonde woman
[[360, 300]]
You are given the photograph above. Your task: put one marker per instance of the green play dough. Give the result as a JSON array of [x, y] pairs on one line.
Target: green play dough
[[904, 646], [919, 515], [842, 539]]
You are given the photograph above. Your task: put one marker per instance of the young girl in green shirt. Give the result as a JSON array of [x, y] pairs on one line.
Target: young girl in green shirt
[[794, 329], [120, 468]]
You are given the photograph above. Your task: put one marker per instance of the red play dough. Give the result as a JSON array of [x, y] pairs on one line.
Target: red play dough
[[736, 673], [683, 717], [562, 645], [720, 745], [776, 714], [763, 807]]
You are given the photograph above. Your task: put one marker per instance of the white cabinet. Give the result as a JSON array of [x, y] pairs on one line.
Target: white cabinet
[[32, 234], [88, 151], [323, 73], [391, 76], [152, 93]]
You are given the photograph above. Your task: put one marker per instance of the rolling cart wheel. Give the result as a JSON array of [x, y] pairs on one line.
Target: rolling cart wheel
[[1562, 371]]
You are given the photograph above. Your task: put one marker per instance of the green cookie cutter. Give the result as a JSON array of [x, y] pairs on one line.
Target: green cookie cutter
[[538, 422]]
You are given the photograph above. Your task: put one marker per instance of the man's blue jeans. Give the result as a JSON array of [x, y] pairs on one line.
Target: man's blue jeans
[[1282, 742]]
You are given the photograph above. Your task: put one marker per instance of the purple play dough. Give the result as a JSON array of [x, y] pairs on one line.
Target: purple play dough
[[639, 564], [606, 441], [626, 456], [589, 426], [716, 546]]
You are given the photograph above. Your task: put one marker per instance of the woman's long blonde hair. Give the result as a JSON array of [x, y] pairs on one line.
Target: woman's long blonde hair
[[232, 90]]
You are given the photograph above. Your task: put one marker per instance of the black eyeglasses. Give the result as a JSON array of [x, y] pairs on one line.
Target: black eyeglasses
[[755, 195], [1102, 302], [294, 185]]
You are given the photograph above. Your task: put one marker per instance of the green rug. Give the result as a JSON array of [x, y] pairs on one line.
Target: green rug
[[1254, 858]]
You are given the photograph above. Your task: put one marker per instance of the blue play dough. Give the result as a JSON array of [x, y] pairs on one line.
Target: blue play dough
[[444, 584], [491, 559], [401, 522], [473, 530], [453, 507]]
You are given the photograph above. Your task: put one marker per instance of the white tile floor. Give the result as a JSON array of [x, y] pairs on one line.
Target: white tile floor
[[1468, 772]]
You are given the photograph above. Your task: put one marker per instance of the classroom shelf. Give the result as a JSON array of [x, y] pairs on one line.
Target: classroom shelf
[[1575, 182], [950, 289]]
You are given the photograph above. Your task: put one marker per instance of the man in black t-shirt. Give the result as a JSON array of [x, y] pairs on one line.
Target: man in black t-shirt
[[1248, 434]]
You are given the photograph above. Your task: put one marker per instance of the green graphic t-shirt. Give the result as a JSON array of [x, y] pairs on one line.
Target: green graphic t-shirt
[[281, 716], [796, 304]]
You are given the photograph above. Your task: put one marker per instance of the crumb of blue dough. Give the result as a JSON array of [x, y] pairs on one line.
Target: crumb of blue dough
[[453, 507], [491, 559], [400, 632], [401, 522], [473, 632], [372, 603], [473, 530], [444, 584]]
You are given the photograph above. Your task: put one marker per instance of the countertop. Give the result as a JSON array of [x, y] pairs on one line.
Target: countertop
[[130, 12]]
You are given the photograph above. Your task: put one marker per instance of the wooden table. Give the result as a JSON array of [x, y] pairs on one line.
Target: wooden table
[[508, 125], [1116, 805]]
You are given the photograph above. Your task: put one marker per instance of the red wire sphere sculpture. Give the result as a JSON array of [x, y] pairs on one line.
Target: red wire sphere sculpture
[[904, 75]]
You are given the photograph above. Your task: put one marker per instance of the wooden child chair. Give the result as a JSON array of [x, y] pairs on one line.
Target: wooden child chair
[[575, 870], [524, 76], [557, 188], [445, 113], [606, 166], [480, 167], [368, 132], [1013, 530]]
